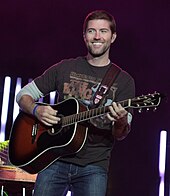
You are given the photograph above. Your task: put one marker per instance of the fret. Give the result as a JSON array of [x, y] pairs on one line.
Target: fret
[[95, 112]]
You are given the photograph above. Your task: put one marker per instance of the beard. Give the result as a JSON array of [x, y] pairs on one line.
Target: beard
[[97, 53]]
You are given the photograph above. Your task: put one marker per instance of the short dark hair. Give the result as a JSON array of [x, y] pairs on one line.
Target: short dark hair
[[100, 14]]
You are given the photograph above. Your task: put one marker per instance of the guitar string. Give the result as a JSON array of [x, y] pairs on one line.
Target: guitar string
[[86, 115]]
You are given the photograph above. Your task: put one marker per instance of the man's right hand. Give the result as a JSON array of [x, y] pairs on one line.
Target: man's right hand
[[47, 115]]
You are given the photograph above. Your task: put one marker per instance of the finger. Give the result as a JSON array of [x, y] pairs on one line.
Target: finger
[[111, 118], [52, 119], [52, 112], [113, 112], [46, 123], [117, 107], [120, 111]]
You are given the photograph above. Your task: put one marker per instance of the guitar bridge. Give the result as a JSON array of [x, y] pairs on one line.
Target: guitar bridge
[[34, 132]]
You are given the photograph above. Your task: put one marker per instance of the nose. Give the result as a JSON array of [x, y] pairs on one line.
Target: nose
[[97, 35]]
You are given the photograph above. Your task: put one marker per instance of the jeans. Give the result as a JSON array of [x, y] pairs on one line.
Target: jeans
[[60, 177]]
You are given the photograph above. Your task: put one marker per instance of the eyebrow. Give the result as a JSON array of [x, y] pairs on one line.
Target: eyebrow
[[92, 28]]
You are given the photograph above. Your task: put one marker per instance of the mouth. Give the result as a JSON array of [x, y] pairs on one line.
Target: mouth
[[97, 44]]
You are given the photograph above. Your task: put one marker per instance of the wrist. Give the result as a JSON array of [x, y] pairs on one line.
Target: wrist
[[121, 128], [121, 133], [34, 109]]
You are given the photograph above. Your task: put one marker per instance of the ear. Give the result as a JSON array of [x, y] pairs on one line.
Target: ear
[[113, 37], [84, 36]]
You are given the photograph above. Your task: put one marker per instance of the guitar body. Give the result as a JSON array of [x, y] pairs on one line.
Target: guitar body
[[34, 146]]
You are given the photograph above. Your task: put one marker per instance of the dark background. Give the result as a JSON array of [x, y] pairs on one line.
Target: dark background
[[34, 34]]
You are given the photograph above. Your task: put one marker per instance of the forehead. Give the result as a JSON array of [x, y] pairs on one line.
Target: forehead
[[98, 24]]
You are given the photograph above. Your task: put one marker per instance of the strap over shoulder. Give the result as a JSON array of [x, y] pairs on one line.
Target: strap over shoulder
[[109, 78]]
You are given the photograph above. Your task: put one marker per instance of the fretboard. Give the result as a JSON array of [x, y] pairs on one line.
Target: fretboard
[[88, 114]]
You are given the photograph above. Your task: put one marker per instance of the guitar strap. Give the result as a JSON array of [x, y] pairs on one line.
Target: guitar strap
[[109, 78]]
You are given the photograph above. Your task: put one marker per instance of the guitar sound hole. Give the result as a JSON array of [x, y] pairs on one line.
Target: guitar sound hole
[[55, 129]]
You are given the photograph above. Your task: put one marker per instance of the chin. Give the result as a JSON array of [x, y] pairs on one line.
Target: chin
[[96, 54]]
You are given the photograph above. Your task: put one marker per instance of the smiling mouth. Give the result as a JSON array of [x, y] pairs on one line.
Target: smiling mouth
[[97, 43]]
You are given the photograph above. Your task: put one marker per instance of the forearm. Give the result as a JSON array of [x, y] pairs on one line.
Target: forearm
[[121, 128], [26, 103], [120, 133], [27, 96]]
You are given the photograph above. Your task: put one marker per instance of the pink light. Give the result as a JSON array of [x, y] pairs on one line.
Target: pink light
[[5, 103], [16, 107], [68, 193], [52, 97], [162, 161]]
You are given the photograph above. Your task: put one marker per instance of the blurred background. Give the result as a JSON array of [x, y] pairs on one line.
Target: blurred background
[[35, 34]]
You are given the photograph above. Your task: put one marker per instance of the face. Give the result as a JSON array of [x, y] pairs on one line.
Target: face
[[98, 37]]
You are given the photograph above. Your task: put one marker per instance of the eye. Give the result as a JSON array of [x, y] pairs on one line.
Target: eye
[[90, 31], [103, 30]]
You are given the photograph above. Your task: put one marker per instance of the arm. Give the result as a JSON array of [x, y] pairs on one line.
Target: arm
[[119, 116], [121, 121], [26, 100]]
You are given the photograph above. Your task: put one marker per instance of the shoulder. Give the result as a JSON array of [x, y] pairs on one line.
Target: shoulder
[[68, 63], [124, 73], [72, 60], [124, 77]]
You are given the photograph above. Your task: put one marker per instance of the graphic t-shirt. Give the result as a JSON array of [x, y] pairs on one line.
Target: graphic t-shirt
[[77, 78]]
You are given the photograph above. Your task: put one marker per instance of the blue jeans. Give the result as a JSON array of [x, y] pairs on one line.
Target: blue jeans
[[60, 177]]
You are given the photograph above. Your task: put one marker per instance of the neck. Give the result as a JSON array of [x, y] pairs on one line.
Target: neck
[[98, 61]]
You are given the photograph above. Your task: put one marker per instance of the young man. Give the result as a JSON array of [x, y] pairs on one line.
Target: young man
[[84, 172]]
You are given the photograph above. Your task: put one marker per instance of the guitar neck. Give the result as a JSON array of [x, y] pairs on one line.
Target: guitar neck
[[92, 113]]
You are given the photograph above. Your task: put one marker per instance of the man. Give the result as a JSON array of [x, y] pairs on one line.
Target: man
[[84, 172]]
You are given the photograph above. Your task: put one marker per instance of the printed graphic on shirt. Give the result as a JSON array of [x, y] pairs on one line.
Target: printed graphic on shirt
[[83, 87]]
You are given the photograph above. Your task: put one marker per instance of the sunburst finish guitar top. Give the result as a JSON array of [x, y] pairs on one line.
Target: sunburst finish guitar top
[[34, 146]]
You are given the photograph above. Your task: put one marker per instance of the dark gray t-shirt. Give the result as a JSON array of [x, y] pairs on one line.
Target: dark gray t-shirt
[[77, 78]]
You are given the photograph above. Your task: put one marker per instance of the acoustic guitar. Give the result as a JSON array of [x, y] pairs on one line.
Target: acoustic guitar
[[33, 146]]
